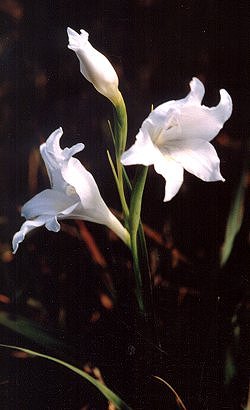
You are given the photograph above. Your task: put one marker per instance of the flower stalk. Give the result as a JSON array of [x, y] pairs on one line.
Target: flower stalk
[[97, 69], [132, 214], [134, 223], [120, 138]]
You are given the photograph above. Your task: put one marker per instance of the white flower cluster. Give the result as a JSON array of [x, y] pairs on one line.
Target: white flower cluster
[[175, 136]]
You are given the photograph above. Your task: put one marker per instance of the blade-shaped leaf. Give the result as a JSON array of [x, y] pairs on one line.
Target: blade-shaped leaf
[[179, 401], [234, 220], [109, 394], [229, 369], [134, 222], [30, 330]]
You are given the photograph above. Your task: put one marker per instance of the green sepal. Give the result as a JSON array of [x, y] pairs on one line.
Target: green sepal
[[120, 127]]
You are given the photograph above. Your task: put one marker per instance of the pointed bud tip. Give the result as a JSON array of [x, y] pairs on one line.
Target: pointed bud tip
[[71, 32], [84, 32]]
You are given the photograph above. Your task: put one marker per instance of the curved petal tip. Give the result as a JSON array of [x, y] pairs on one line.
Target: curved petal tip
[[225, 106], [53, 141], [55, 134], [17, 239], [197, 89]]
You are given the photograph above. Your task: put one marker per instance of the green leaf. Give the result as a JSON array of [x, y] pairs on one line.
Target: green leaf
[[134, 221], [30, 330], [136, 199], [234, 220], [230, 369], [113, 169], [119, 135], [109, 394], [120, 127]]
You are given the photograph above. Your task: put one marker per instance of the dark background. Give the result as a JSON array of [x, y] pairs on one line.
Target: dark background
[[156, 48]]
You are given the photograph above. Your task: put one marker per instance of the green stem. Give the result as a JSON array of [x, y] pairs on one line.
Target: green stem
[[137, 272], [120, 126], [120, 187], [120, 138], [134, 222], [132, 214], [145, 262], [121, 191]]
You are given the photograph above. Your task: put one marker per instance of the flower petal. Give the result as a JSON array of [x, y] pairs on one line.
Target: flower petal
[[162, 125], [162, 115], [204, 123], [53, 150], [26, 228], [197, 123], [197, 91], [224, 109], [142, 151], [52, 224], [76, 40], [51, 153], [173, 174], [49, 202], [203, 162], [186, 120], [53, 157], [45, 208], [52, 145], [93, 207], [69, 152]]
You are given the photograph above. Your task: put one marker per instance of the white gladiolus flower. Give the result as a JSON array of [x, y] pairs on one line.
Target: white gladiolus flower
[[95, 67], [73, 195], [175, 136]]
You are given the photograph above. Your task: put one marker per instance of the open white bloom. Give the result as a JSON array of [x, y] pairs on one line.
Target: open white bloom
[[73, 194], [95, 67], [176, 136]]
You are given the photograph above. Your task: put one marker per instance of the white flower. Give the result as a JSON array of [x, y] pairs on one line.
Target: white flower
[[176, 136], [95, 67], [73, 194]]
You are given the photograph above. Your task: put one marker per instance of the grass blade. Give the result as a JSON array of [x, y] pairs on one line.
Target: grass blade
[[177, 397], [31, 331], [234, 220], [109, 394]]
